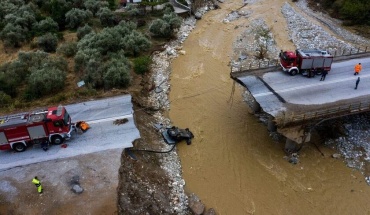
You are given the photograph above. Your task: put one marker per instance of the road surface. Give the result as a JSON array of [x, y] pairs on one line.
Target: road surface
[[281, 88], [103, 134]]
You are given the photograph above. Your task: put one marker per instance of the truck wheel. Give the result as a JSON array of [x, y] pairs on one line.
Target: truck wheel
[[57, 140], [293, 72], [19, 147]]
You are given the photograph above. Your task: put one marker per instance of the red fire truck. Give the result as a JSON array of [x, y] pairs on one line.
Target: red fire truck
[[306, 62], [19, 131]]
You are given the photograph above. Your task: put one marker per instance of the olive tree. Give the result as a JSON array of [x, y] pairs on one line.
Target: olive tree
[[95, 5], [13, 35], [45, 81], [47, 25], [106, 17], [135, 43], [68, 49], [48, 42], [118, 72], [82, 31], [166, 26], [76, 17]]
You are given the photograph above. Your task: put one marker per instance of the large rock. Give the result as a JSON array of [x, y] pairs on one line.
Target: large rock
[[210, 211], [198, 15], [195, 205]]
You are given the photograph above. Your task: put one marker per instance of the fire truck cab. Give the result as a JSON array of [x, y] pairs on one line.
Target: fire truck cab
[[306, 62], [19, 131]]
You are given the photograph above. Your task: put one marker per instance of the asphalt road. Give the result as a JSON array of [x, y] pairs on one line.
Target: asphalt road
[[103, 134], [280, 87]]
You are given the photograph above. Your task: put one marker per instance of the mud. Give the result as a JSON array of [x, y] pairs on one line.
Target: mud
[[233, 165]]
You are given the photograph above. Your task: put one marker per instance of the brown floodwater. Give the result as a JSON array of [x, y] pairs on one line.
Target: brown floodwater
[[233, 165]]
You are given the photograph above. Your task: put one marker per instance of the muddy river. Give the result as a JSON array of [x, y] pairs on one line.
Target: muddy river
[[233, 165]]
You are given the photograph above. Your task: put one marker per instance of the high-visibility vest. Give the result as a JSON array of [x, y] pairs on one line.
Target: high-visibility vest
[[36, 182], [358, 68]]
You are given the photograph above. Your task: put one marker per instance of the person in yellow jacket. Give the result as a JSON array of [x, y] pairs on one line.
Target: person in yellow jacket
[[358, 69], [37, 182]]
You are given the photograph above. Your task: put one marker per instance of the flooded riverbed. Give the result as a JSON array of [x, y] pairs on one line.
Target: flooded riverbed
[[233, 164]]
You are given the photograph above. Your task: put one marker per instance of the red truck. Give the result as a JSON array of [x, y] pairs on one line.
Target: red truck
[[19, 131], [306, 62]]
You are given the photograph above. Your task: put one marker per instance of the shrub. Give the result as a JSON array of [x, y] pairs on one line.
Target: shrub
[[9, 80], [48, 42], [45, 81], [68, 49], [13, 35], [141, 64], [47, 25], [95, 5], [173, 20], [132, 10], [166, 26], [160, 28], [58, 10], [106, 17], [118, 72], [168, 8], [76, 17], [82, 31], [135, 42], [112, 4], [5, 99]]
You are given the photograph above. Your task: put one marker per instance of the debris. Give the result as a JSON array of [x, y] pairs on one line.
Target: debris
[[336, 155], [120, 121]]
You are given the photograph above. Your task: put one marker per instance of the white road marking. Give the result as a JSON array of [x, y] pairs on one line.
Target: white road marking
[[308, 86]]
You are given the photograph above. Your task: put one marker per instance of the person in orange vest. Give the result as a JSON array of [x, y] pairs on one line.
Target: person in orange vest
[[358, 69], [37, 182]]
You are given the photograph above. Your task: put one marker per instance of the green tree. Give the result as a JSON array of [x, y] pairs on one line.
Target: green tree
[[13, 35], [142, 64], [5, 99], [95, 5], [132, 10], [118, 72], [77, 17], [45, 26], [135, 43], [82, 31], [166, 26], [112, 4], [48, 42], [45, 81], [58, 9], [106, 17]]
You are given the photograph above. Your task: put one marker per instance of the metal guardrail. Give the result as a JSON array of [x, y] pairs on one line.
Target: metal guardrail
[[335, 112]]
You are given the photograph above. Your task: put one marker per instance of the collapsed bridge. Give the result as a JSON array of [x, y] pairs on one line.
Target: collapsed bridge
[[296, 104]]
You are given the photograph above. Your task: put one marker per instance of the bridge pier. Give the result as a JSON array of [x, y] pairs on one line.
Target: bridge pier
[[292, 146], [295, 137]]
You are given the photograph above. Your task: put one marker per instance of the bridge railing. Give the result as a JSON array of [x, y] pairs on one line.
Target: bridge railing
[[292, 118], [262, 64]]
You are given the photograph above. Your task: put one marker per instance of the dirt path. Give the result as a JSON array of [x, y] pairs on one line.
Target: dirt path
[[233, 165]]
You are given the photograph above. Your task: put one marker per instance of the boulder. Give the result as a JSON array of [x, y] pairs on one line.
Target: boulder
[[76, 188], [198, 15], [210, 211], [195, 205]]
